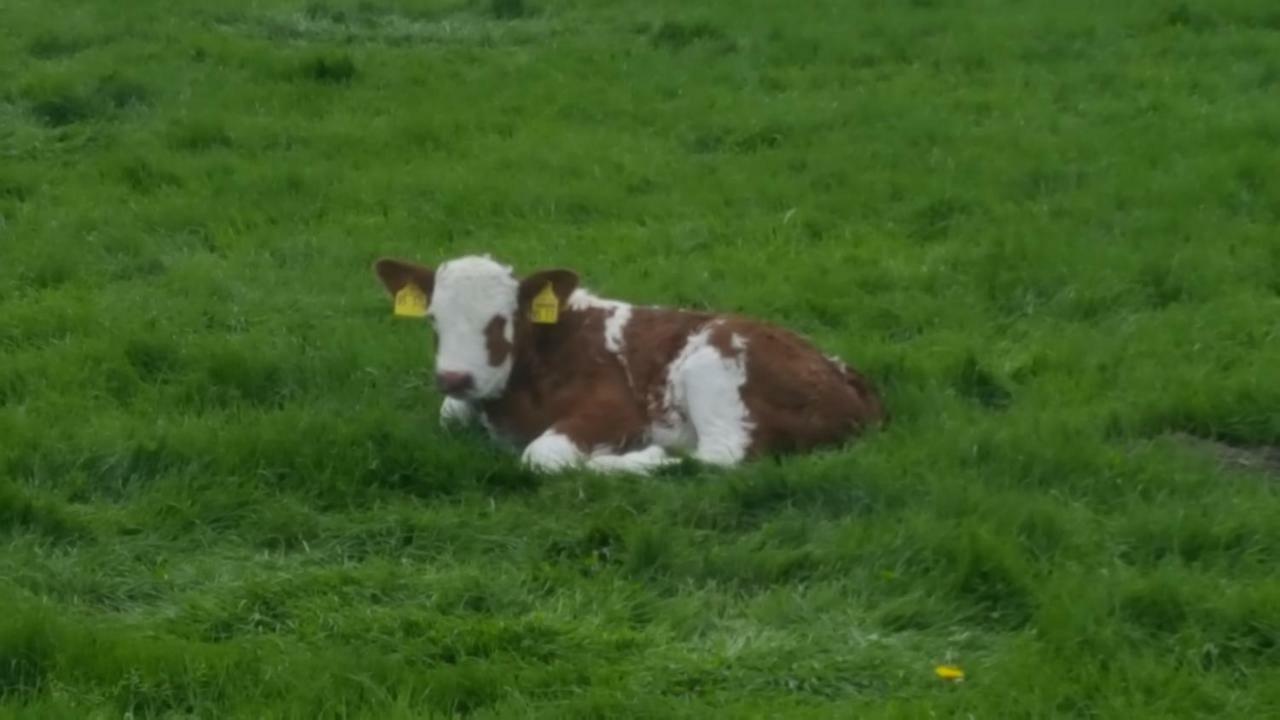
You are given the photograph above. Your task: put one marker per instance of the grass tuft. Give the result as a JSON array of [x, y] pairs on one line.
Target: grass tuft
[[54, 46], [330, 69], [508, 9], [677, 35]]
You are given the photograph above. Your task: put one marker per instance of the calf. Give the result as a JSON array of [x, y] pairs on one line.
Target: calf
[[575, 379]]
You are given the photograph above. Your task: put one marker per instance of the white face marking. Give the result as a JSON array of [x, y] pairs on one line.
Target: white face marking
[[706, 387], [469, 293], [551, 452]]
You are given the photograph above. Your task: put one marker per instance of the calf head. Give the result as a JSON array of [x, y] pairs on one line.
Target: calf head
[[480, 313]]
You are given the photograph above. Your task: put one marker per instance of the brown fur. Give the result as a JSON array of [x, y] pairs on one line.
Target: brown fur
[[564, 377], [395, 274], [495, 340], [798, 398]]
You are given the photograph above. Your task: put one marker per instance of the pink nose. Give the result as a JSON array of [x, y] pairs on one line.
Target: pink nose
[[454, 383]]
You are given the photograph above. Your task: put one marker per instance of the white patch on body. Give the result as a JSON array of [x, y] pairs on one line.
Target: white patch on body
[[469, 293], [671, 428], [702, 402], [551, 452], [613, 328], [583, 299], [617, 315]]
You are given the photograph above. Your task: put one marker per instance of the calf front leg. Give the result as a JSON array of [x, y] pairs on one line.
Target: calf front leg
[[455, 412], [552, 451], [638, 462], [556, 452], [590, 438]]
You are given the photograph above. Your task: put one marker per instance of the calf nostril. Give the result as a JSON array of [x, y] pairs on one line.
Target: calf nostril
[[453, 382]]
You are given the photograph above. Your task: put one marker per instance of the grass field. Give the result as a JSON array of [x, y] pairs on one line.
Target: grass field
[[1049, 230]]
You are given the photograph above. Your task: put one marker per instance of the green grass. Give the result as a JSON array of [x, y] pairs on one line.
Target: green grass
[[1050, 230]]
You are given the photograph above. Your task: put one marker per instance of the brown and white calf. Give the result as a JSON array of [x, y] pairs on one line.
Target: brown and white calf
[[614, 387]]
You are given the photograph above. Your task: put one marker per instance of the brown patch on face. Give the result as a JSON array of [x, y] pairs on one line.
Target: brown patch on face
[[495, 340]]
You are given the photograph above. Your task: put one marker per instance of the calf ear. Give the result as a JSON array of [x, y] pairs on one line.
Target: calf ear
[[395, 274], [563, 283]]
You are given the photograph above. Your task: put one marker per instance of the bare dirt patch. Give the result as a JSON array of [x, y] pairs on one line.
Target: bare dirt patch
[[1257, 458]]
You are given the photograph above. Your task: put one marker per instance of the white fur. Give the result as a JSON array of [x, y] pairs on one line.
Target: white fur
[[455, 412], [554, 452], [672, 430], [614, 327], [703, 402], [617, 315], [551, 452], [468, 293], [639, 462], [584, 299]]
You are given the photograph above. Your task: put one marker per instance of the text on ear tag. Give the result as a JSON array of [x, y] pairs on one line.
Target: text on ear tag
[[411, 302], [546, 307]]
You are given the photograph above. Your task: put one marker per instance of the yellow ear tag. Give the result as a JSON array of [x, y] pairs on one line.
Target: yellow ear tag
[[546, 306], [411, 302]]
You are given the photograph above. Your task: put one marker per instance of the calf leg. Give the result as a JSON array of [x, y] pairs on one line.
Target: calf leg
[[554, 452], [454, 412], [639, 462], [551, 452], [585, 439]]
